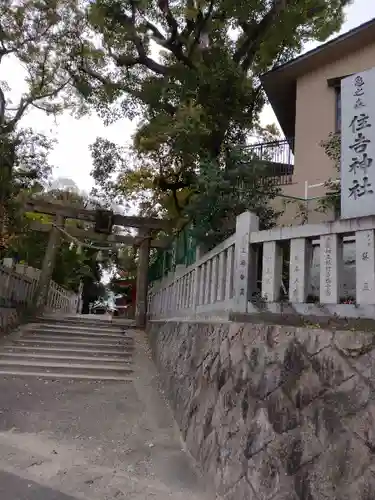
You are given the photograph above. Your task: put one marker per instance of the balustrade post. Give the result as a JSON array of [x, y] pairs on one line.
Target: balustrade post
[[214, 279], [229, 275], [244, 282], [331, 263], [202, 280], [365, 267], [195, 288], [271, 271], [300, 253], [207, 287], [220, 294]]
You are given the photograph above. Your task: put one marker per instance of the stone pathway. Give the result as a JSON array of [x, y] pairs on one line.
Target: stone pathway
[[72, 350], [73, 429]]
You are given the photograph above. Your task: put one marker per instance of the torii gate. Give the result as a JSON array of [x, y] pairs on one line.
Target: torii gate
[[145, 225]]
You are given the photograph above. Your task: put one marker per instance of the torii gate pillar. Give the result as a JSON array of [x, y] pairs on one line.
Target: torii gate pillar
[[142, 279]]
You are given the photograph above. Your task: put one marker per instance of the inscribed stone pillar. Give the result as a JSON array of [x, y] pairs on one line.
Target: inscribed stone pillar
[[244, 282], [271, 271], [365, 267], [300, 252], [331, 264]]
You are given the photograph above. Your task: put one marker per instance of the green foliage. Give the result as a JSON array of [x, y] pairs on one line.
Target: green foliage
[[332, 201], [220, 194], [41, 37]]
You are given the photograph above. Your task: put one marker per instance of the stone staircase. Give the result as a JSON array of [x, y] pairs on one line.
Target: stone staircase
[[69, 348]]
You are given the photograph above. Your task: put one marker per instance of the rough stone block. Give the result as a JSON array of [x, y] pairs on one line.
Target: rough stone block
[[267, 475], [236, 352], [363, 425], [259, 433], [294, 360], [242, 491], [353, 343], [296, 448], [325, 421], [332, 368], [363, 489], [365, 364], [282, 415], [313, 340], [303, 388], [209, 454], [338, 467], [233, 463], [350, 397], [267, 381]]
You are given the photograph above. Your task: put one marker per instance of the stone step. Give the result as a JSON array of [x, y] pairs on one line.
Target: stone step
[[71, 368], [94, 330], [24, 356], [51, 336], [94, 352], [69, 343], [8, 371], [97, 321]]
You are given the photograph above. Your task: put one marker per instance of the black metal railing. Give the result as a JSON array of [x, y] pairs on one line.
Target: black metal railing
[[276, 157]]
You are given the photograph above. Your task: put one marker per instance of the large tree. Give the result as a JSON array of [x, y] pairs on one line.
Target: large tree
[[38, 36], [188, 69]]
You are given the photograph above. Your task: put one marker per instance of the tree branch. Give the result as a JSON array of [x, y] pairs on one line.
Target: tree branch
[[155, 31], [26, 102], [200, 26], [2, 107], [255, 34]]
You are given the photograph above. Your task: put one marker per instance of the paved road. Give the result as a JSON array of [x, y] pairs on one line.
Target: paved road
[[12, 487], [71, 438]]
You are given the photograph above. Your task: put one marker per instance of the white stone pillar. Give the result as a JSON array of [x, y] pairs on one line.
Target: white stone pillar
[[170, 299], [229, 273], [180, 291], [271, 271], [207, 287], [187, 293], [242, 287], [221, 277], [202, 279], [365, 267], [195, 288], [331, 264], [191, 288], [299, 269], [214, 277], [183, 291]]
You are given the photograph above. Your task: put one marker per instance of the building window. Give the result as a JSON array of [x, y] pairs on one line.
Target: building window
[[337, 109]]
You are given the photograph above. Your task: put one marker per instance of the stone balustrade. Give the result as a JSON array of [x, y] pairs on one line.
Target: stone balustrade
[[18, 284], [272, 270]]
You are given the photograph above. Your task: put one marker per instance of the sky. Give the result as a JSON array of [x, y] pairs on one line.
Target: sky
[[71, 156]]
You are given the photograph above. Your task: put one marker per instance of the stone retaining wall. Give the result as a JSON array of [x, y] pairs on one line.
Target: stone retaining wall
[[273, 412]]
